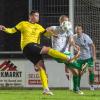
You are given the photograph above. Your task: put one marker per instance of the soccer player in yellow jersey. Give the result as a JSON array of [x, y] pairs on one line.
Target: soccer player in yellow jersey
[[30, 45]]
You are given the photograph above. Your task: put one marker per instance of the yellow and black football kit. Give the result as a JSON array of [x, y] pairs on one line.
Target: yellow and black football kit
[[30, 39], [30, 44]]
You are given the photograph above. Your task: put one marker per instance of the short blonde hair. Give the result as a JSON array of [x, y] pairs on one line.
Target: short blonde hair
[[61, 18]]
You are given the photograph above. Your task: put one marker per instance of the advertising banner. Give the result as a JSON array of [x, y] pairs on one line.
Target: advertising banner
[[21, 73], [11, 75]]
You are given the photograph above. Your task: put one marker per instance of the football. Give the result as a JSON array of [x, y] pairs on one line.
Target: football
[[66, 25]]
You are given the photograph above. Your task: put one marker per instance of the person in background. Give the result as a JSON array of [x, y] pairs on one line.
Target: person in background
[[87, 53]]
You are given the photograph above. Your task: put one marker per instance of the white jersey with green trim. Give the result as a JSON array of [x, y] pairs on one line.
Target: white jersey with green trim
[[60, 42], [84, 41]]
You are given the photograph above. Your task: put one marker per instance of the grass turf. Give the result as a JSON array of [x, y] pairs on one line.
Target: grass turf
[[58, 95]]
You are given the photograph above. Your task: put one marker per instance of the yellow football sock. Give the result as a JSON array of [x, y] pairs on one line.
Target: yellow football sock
[[44, 78], [57, 54]]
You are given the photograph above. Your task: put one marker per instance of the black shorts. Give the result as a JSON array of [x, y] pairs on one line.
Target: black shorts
[[32, 52]]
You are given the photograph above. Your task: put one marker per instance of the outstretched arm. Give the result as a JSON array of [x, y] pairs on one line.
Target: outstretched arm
[[8, 30], [51, 31], [2, 27]]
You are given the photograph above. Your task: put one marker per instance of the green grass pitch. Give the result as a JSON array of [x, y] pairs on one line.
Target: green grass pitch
[[35, 94]]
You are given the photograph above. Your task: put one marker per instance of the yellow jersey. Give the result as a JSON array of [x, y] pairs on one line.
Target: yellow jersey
[[30, 32]]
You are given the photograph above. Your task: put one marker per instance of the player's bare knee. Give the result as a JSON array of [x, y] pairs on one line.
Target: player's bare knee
[[91, 70], [75, 71], [36, 68], [45, 50], [39, 65]]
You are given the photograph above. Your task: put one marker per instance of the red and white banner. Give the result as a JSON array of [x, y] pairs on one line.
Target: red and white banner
[[21, 73]]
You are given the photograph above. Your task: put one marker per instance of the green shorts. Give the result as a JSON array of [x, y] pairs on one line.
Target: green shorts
[[88, 61], [74, 64]]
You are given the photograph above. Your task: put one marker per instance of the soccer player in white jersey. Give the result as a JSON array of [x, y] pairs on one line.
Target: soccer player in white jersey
[[61, 40], [87, 52]]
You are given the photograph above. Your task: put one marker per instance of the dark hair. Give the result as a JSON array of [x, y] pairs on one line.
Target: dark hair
[[33, 11], [79, 25]]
